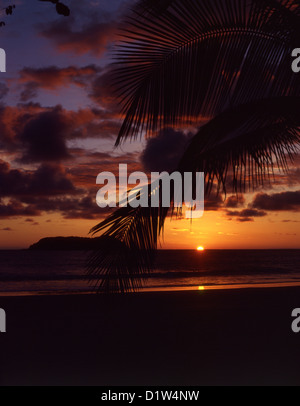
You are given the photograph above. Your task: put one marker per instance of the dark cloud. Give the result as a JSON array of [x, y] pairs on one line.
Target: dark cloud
[[51, 180], [32, 222], [91, 123], [245, 219], [37, 134], [12, 121], [290, 221], [43, 137], [29, 92], [53, 77], [84, 207], [15, 208], [164, 152], [93, 37], [3, 90], [40, 134], [285, 201], [213, 202], [246, 215], [234, 202], [103, 94], [47, 180], [251, 213]]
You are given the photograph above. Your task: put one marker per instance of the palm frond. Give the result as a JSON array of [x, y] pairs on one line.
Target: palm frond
[[248, 142], [184, 60], [228, 62], [126, 248]]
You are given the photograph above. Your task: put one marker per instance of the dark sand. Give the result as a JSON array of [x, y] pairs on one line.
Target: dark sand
[[238, 337]]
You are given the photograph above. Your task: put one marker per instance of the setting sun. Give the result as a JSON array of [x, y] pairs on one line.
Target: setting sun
[[200, 248]]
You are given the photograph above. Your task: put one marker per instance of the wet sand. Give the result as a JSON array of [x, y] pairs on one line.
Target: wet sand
[[230, 337]]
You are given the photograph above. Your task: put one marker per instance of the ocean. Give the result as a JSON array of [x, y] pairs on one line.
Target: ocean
[[63, 272]]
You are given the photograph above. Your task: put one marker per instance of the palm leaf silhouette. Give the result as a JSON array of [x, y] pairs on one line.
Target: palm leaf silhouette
[[188, 61], [193, 59], [246, 142], [127, 247]]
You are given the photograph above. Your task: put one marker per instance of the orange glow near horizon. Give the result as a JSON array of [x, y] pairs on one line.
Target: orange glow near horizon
[[200, 249], [213, 231]]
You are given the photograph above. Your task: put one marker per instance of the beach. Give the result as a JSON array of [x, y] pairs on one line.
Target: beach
[[224, 337]]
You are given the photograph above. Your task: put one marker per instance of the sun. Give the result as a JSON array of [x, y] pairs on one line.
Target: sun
[[200, 248]]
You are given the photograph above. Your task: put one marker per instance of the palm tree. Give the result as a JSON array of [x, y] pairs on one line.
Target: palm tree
[[224, 63]]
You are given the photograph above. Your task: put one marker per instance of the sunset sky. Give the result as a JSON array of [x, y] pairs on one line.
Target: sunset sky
[[59, 123]]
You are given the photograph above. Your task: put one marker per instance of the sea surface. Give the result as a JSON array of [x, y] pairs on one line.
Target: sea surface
[[64, 272]]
